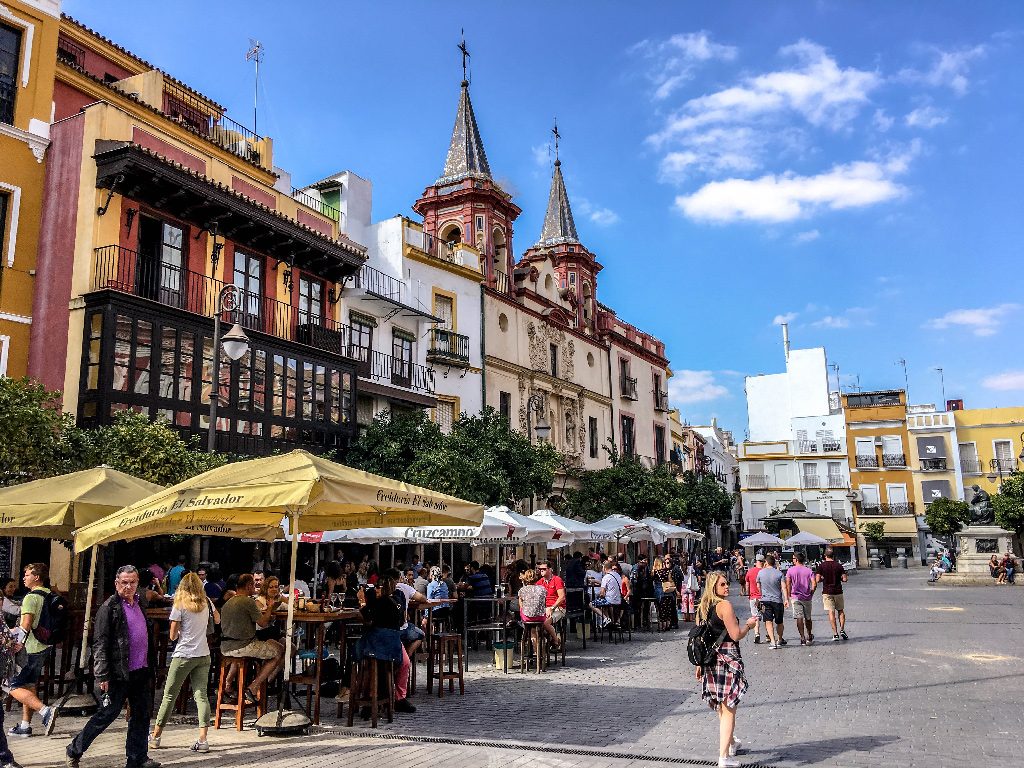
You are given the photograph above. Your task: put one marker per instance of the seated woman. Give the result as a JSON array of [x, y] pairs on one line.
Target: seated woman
[[382, 640], [532, 604], [936, 571], [269, 594], [1009, 566], [437, 589], [996, 570], [150, 588]]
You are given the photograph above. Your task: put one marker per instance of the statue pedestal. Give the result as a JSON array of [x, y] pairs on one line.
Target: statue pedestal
[[977, 544]]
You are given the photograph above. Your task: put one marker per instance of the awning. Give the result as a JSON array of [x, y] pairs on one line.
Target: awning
[[825, 527], [933, 447], [898, 527]]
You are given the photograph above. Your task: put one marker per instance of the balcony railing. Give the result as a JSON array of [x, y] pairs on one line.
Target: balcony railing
[[1003, 465], [501, 284], [628, 387], [810, 481], [836, 481], [819, 446], [401, 373], [894, 460], [374, 281], [122, 269], [970, 466], [757, 481], [317, 205], [661, 401], [892, 510], [867, 461], [447, 346], [198, 115], [70, 53], [933, 464]]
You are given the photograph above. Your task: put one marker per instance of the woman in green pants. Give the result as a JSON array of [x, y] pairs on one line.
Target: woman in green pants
[[191, 618]]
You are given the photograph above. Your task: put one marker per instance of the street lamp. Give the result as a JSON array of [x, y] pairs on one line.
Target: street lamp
[[236, 344], [542, 430]]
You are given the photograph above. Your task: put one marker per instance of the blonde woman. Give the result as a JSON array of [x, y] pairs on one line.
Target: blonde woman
[[190, 618], [724, 681]]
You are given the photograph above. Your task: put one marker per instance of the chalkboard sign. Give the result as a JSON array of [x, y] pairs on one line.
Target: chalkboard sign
[[6, 552]]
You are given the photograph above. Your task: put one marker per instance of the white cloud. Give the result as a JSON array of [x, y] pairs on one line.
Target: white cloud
[[926, 117], [832, 321], [694, 387], [950, 69], [718, 150], [789, 317], [675, 59], [787, 196], [806, 237], [849, 318], [882, 121], [983, 321], [541, 154], [1009, 381], [602, 217]]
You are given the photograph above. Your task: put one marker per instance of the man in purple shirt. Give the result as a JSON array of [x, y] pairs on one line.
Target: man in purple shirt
[[800, 580], [123, 666]]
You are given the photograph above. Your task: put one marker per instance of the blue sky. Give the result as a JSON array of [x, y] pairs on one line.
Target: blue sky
[[853, 167]]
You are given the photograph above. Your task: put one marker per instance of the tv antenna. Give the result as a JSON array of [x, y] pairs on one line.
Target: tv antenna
[[255, 53]]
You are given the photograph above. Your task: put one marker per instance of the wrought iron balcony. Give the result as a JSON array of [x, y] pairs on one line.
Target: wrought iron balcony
[[70, 53], [628, 388], [757, 481], [894, 460], [867, 461], [661, 401], [205, 120], [448, 347], [1003, 465], [831, 446], [317, 205], [933, 464], [376, 282], [401, 373], [901, 509], [819, 446], [810, 481], [970, 466], [836, 481]]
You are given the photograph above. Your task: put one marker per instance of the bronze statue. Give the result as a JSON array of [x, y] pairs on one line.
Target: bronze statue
[[981, 507]]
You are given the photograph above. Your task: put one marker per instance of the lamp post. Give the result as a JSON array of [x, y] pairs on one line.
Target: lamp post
[[236, 344], [543, 429]]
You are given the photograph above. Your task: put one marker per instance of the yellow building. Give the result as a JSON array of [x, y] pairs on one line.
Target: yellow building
[[28, 53], [989, 445], [933, 455], [878, 449]]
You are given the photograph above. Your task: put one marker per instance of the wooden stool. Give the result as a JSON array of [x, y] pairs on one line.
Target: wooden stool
[[448, 644], [239, 706], [368, 668], [533, 636]]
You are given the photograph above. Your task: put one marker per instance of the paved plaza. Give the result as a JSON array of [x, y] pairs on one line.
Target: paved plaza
[[931, 676]]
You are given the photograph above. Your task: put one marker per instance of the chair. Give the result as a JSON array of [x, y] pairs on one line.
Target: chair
[[243, 664], [368, 667], [533, 637], [445, 648]]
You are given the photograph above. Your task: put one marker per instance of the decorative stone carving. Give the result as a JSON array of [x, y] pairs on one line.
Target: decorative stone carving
[[581, 400], [568, 366], [541, 337], [569, 407], [522, 403]]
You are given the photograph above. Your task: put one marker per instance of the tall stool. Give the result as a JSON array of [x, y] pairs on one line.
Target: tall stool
[[239, 707], [533, 635], [446, 649], [368, 667]]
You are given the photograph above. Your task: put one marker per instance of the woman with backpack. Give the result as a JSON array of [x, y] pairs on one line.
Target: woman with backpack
[[192, 620], [721, 671]]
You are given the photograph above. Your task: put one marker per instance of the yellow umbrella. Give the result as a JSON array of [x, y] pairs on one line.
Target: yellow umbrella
[[311, 493], [54, 507]]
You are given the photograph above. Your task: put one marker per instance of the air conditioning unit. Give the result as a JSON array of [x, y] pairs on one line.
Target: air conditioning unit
[[878, 440], [857, 495]]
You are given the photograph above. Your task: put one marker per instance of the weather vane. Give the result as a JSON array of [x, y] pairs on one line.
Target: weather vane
[[557, 135]]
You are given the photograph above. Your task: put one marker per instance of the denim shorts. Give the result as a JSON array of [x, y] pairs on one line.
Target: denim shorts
[[411, 634], [31, 667]]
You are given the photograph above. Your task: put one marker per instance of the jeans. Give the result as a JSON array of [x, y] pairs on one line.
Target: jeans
[[136, 691], [197, 672], [1009, 574], [5, 750]]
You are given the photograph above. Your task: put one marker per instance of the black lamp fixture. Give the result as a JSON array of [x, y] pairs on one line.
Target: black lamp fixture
[[235, 344]]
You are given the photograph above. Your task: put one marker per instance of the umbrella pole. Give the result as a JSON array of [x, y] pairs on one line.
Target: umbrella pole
[[88, 606], [294, 523], [316, 567]]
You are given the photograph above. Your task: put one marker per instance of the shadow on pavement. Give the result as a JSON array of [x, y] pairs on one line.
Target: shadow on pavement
[[813, 752]]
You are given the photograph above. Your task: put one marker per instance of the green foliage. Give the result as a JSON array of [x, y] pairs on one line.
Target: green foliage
[[482, 459], [705, 501], [33, 432], [1008, 504], [947, 516], [873, 531]]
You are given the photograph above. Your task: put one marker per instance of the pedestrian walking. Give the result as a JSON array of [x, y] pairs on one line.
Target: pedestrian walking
[[773, 601], [7, 654], [192, 621], [31, 653], [723, 681], [831, 575], [800, 583], [123, 670], [754, 594]]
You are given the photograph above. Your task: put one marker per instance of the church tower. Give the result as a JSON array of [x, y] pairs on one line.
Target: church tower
[[465, 204], [575, 266]]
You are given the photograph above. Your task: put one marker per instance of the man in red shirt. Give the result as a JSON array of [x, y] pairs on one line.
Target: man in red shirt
[[754, 593], [552, 582]]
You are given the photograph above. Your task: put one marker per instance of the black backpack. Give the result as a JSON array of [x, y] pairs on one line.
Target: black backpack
[[701, 646], [53, 618]]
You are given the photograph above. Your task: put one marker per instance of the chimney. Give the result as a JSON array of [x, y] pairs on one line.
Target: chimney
[[785, 339]]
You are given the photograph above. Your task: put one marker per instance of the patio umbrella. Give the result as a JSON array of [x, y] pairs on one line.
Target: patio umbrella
[[805, 538], [579, 530], [52, 508], [761, 540], [670, 531], [536, 531], [312, 493], [625, 528]]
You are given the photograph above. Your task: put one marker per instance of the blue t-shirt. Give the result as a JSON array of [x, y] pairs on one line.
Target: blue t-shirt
[[480, 584], [437, 590], [174, 577]]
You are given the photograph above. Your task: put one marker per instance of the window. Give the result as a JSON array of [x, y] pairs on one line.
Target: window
[[572, 279], [969, 462], [505, 404], [479, 226], [248, 278], [810, 475], [870, 500], [628, 436], [835, 474], [3, 222], [758, 511], [445, 309], [554, 360], [360, 344], [444, 415], [1003, 452], [311, 301], [659, 443], [10, 50], [592, 436], [401, 365], [161, 260]]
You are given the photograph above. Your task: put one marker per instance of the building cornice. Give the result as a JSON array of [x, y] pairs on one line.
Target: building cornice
[[37, 142], [549, 381]]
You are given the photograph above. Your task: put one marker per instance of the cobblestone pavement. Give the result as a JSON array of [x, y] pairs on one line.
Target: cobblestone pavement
[[931, 676]]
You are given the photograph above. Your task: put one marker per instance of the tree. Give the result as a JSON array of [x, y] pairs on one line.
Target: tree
[[393, 442], [628, 488], [1008, 504], [874, 531], [34, 432], [705, 501], [947, 516]]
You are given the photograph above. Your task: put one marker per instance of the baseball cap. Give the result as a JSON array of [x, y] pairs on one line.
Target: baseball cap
[[759, 558]]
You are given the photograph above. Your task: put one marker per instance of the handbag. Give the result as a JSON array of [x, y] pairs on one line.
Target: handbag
[[691, 581], [668, 587], [211, 624]]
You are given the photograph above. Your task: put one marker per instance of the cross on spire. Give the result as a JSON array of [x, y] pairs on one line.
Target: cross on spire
[[465, 55], [557, 136]]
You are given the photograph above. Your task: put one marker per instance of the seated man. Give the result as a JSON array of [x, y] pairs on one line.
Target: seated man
[[239, 619], [554, 602], [610, 595]]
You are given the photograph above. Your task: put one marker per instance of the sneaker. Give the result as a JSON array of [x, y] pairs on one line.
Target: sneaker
[[835, 638], [18, 730], [49, 720], [803, 642], [842, 634], [403, 705], [70, 762], [149, 763], [810, 639], [774, 646], [200, 746], [782, 641], [728, 762], [735, 746], [757, 639], [154, 742]]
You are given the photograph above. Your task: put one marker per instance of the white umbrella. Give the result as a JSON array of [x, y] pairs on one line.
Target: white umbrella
[[625, 528], [537, 531], [761, 540], [670, 531], [805, 538], [579, 530]]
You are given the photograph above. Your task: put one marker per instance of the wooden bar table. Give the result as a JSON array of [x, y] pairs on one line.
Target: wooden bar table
[[319, 620]]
